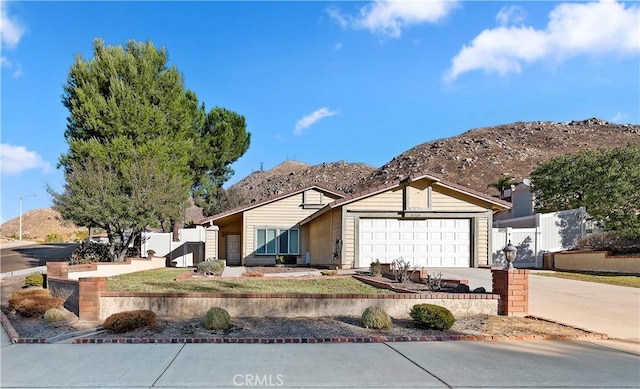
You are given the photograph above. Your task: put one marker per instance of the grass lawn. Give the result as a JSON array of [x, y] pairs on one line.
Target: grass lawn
[[603, 278], [162, 280]]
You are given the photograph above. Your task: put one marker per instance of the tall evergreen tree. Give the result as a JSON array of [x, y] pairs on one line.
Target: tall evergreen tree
[[130, 116]]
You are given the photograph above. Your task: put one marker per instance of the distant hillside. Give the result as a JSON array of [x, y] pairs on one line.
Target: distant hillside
[[291, 175], [474, 159], [37, 224], [478, 157]]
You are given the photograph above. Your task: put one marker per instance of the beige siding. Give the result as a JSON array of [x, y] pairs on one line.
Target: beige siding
[[417, 195], [443, 199], [483, 241], [312, 196], [283, 213], [349, 242], [391, 200], [320, 239]]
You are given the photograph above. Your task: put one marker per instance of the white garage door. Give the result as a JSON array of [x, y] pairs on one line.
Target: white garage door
[[429, 243]]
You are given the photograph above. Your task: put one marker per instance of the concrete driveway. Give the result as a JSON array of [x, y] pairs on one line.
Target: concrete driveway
[[614, 310]]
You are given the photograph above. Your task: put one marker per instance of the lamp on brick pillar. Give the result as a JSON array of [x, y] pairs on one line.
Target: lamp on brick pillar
[[510, 255]]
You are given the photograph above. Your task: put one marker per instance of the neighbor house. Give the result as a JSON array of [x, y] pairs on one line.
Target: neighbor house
[[422, 219]]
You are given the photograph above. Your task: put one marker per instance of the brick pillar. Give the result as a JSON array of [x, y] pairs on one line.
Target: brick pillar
[[513, 288], [58, 270], [89, 297]]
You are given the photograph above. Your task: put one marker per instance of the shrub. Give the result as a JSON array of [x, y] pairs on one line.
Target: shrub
[[88, 252], [400, 269], [253, 273], [217, 319], [211, 267], [33, 302], [290, 259], [54, 315], [53, 238], [431, 316], [616, 242], [129, 320], [376, 268], [376, 318], [151, 253], [19, 295], [329, 272], [34, 279], [79, 236], [133, 252]]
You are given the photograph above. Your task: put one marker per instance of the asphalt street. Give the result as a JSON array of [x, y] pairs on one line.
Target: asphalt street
[[33, 255]]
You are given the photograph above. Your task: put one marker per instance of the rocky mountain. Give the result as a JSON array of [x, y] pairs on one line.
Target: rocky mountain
[[38, 223], [291, 175], [474, 159], [479, 157]]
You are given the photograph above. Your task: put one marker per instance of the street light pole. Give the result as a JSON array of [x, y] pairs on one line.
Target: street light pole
[[23, 197]]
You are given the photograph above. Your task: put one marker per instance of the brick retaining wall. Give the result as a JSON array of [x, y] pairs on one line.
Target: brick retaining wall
[[291, 304]]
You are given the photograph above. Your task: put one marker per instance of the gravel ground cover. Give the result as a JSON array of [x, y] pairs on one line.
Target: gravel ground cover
[[302, 327]]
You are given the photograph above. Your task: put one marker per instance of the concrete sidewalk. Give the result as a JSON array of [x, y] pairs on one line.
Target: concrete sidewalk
[[541, 364]]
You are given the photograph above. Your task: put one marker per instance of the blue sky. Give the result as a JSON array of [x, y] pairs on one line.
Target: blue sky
[[326, 81]]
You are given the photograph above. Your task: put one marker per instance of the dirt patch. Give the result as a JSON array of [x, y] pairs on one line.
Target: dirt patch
[[302, 327]]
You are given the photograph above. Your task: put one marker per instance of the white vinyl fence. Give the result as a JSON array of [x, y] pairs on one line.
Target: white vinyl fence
[[188, 251], [555, 231]]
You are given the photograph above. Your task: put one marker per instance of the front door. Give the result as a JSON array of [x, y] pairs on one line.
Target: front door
[[233, 250]]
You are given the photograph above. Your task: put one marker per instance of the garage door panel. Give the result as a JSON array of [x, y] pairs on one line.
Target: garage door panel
[[430, 243]]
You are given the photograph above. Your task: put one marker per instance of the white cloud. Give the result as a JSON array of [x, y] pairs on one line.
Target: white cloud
[[389, 17], [619, 117], [16, 159], [573, 29], [510, 15], [338, 46], [11, 30], [17, 71], [338, 17], [312, 118]]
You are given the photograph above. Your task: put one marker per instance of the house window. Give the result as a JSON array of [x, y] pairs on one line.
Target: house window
[[273, 241]]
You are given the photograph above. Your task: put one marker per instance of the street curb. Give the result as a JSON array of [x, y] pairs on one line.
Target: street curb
[[358, 339], [11, 332]]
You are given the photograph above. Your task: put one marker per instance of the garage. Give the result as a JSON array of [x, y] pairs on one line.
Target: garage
[[428, 243]]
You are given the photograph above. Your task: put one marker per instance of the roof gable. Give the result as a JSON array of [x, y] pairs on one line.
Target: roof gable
[[269, 200], [435, 178]]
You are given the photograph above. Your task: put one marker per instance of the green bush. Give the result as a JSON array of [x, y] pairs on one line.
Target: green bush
[[34, 279], [80, 236], [431, 316], [53, 238], [613, 241], [88, 252], [129, 320], [376, 268], [376, 318], [217, 319], [329, 272], [211, 267], [54, 315]]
